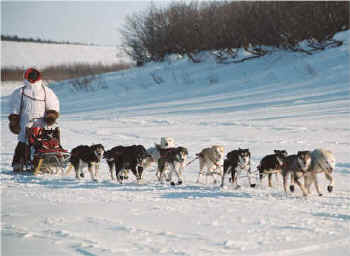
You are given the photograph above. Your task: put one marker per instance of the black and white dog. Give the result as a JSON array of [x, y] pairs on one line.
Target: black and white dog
[[86, 156], [165, 142], [236, 161], [272, 164], [123, 158], [174, 158]]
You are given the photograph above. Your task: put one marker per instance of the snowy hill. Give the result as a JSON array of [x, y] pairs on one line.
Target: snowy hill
[[282, 101], [42, 55]]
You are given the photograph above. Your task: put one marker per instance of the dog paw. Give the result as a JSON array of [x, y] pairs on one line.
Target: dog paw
[[291, 188], [252, 185], [172, 183], [330, 188]]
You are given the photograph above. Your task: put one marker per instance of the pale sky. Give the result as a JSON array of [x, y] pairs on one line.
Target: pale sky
[[85, 21]]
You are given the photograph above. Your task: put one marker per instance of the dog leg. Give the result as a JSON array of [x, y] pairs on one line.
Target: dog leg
[[249, 174], [77, 168], [91, 171], [167, 175], [233, 176], [330, 178], [316, 184], [77, 173], [301, 186], [161, 167], [291, 187], [226, 169], [111, 168], [97, 167], [140, 172], [237, 174], [200, 175], [161, 177], [172, 183], [136, 174], [118, 172], [285, 181], [201, 167], [222, 180], [270, 180], [308, 180], [216, 172], [179, 173], [261, 176], [209, 172]]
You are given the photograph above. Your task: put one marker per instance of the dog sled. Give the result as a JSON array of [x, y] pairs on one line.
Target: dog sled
[[46, 153]]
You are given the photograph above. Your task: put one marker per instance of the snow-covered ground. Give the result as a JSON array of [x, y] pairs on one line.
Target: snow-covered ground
[[282, 101], [41, 55]]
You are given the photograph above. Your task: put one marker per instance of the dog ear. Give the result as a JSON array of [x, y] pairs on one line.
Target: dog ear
[[185, 151]]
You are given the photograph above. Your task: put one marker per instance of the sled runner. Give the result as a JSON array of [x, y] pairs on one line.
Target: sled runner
[[47, 155]]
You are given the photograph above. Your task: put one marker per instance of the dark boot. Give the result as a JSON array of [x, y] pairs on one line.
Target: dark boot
[[19, 157]]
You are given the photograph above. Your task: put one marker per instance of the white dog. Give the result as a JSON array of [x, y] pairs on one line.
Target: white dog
[[212, 158], [322, 161]]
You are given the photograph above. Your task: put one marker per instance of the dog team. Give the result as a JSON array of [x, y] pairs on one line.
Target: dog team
[[171, 159]]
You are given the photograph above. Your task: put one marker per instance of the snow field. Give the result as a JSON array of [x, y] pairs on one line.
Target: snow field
[[284, 101]]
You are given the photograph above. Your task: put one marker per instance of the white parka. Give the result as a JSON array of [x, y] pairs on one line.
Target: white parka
[[37, 98]]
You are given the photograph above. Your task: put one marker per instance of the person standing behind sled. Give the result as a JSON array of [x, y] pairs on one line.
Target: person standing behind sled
[[33, 102]]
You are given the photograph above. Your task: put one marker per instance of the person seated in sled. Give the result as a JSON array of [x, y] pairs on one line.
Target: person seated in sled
[[32, 102]]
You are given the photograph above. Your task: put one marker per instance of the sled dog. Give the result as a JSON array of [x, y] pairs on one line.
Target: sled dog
[[120, 159], [236, 161], [165, 142], [175, 159], [309, 164], [322, 161], [296, 166], [86, 156], [211, 158], [271, 164]]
